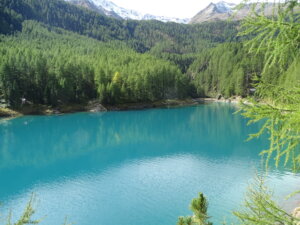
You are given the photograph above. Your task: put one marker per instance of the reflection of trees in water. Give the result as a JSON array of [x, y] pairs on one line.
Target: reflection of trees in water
[[42, 140]]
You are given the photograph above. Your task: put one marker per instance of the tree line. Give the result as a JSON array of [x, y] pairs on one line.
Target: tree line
[[48, 65], [122, 60]]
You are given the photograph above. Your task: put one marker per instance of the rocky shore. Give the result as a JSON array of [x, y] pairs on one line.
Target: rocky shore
[[96, 106]]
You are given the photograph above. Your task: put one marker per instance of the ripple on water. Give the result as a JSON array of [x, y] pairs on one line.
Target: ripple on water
[[135, 167]]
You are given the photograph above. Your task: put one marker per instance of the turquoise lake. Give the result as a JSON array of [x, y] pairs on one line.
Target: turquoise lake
[[131, 167]]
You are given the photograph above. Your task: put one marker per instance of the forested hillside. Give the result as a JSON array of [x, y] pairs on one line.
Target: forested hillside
[[139, 34], [227, 69], [47, 65], [53, 52]]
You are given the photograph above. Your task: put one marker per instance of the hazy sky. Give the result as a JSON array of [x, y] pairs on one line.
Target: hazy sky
[[170, 8]]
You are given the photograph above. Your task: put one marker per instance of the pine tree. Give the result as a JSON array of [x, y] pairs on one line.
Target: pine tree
[[199, 208]]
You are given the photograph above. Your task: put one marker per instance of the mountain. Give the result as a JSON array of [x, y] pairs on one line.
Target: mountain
[[76, 55], [89, 4], [214, 11], [111, 9], [224, 11]]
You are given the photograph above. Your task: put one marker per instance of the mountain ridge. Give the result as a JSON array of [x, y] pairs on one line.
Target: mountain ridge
[[225, 11], [214, 11], [108, 8], [221, 10]]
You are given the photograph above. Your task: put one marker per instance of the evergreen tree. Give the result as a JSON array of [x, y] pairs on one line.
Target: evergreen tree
[[199, 208]]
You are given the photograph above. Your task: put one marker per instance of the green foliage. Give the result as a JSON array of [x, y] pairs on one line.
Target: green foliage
[[260, 209], [278, 36], [26, 217], [48, 60], [277, 104], [226, 69], [71, 80], [229, 68], [281, 114], [49, 66], [139, 35], [199, 208], [188, 220]]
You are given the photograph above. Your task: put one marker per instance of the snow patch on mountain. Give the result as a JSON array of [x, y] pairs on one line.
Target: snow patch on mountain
[[214, 11], [132, 14], [224, 7]]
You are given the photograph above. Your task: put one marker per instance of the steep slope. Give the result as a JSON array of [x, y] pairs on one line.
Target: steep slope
[[214, 11], [111, 9], [224, 11], [80, 69], [49, 65], [90, 5], [140, 35]]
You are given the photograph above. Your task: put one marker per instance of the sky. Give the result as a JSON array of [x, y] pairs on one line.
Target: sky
[[169, 8]]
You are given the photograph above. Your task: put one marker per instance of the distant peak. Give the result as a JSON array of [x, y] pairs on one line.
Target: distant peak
[[214, 11], [223, 6], [111, 9], [219, 7]]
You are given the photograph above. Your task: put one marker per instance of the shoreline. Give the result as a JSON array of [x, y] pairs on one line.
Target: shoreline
[[96, 106]]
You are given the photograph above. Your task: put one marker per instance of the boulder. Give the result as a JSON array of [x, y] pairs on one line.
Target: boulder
[[219, 97], [296, 214], [95, 106]]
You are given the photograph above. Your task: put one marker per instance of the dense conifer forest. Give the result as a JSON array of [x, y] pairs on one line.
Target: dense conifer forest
[[53, 52]]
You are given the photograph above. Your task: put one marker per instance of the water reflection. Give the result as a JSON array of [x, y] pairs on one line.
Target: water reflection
[[39, 141], [142, 166]]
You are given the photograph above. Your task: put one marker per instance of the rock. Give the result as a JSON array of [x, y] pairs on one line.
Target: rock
[[95, 106], [56, 111], [252, 90], [296, 214], [239, 98], [219, 97]]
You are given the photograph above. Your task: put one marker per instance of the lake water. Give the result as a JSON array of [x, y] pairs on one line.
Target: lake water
[[131, 167]]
